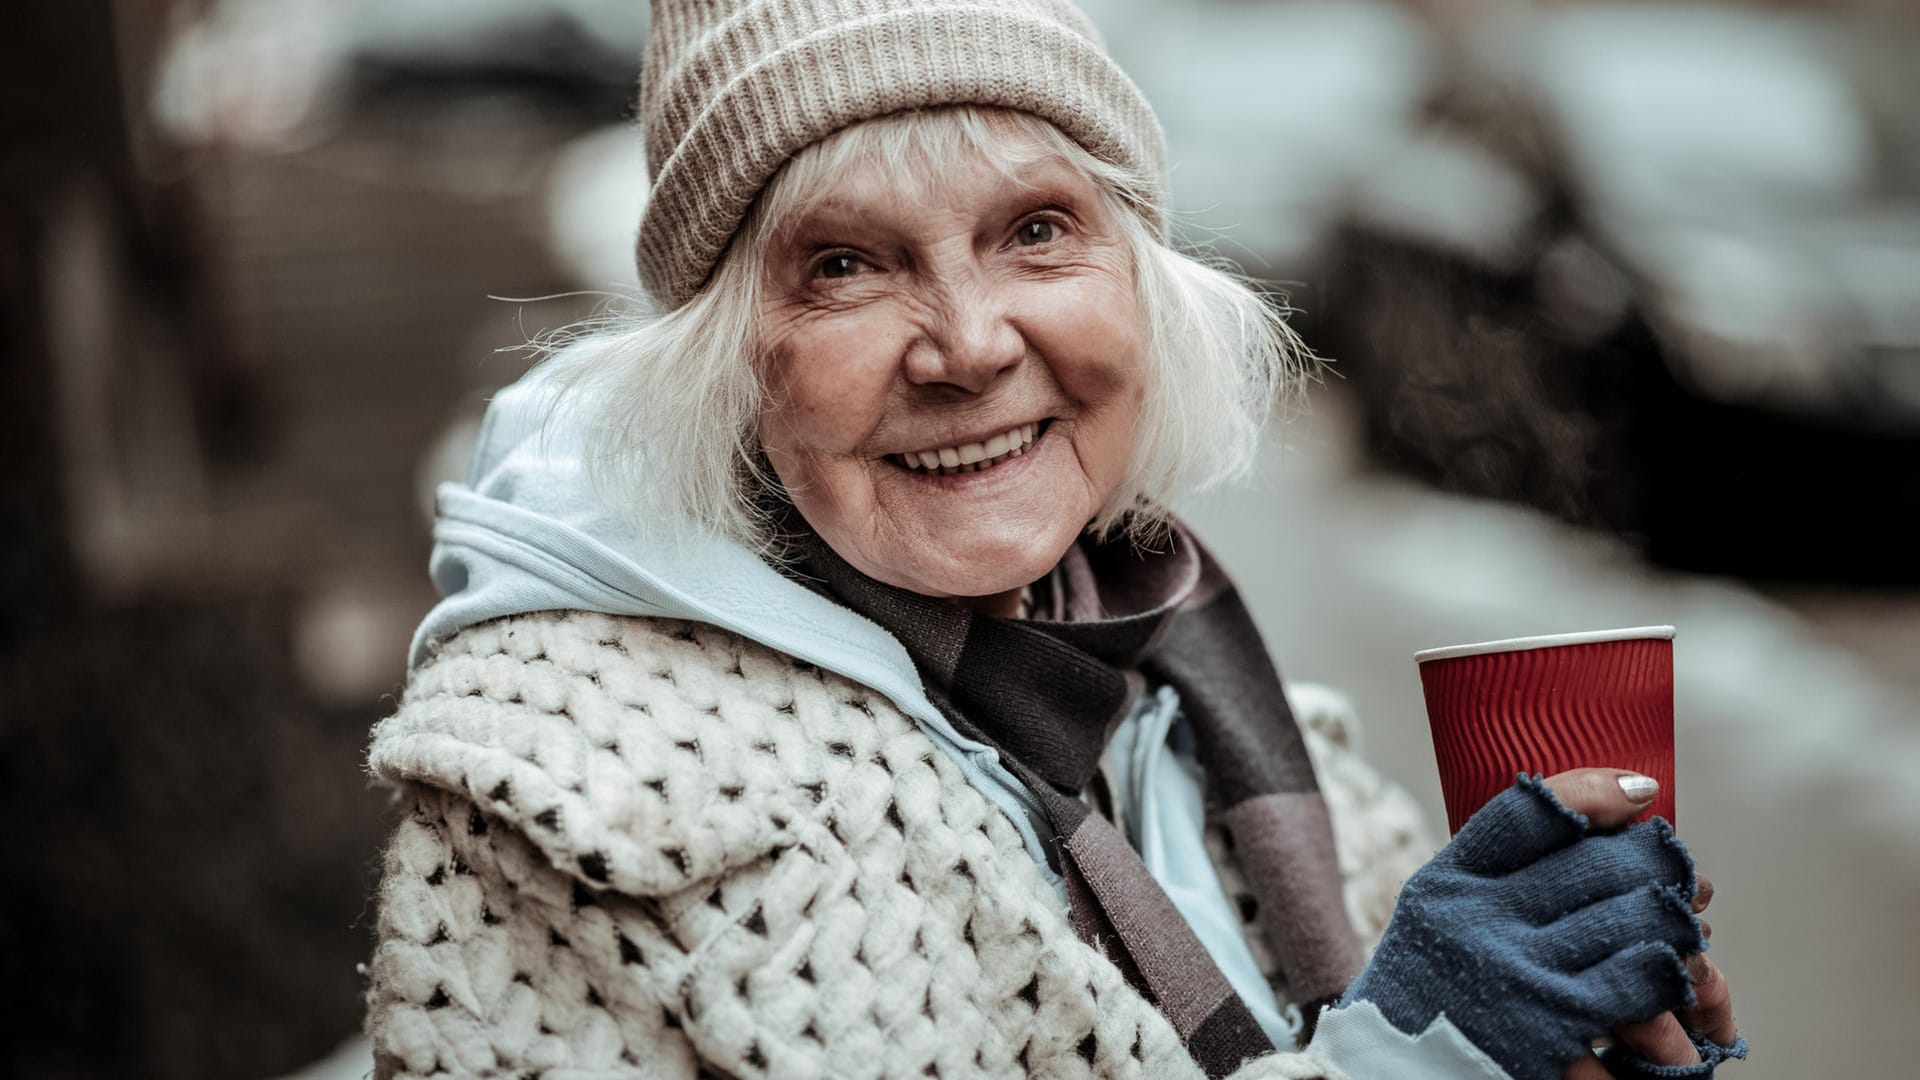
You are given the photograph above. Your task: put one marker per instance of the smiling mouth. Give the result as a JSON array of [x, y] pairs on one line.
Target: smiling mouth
[[973, 456]]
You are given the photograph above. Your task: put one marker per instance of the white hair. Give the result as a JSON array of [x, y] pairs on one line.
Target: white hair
[[672, 400]]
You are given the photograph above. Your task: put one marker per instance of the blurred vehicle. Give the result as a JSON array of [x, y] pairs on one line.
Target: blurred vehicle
[[1655, 270]]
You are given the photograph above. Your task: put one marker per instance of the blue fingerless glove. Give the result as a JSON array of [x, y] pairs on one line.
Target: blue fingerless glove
[[1535, 938]]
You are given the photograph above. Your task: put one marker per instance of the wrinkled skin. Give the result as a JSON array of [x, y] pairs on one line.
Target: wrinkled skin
[[905, 317]]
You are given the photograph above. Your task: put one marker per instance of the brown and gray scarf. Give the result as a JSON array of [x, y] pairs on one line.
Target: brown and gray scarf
[[1048, 692]]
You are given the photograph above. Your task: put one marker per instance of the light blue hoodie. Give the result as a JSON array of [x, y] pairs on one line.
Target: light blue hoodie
[[526, 533]]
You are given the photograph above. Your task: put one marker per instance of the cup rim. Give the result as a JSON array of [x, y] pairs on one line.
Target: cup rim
[[1544, 641]]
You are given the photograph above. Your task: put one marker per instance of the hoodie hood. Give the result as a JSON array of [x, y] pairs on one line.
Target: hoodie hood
[[526, 533]]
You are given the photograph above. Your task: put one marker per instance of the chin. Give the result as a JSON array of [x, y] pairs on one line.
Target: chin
[[991, 566]]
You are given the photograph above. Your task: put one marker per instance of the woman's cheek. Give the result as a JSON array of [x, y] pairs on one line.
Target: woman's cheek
[[809, 382], [1100, 349]]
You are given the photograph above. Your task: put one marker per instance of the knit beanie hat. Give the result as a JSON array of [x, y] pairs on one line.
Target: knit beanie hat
[[731, 90]]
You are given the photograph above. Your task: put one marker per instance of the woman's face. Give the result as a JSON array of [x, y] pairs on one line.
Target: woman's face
[[955, 372]]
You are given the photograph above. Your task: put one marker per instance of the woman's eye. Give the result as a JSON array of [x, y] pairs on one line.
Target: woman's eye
[[838, 266], [1036, 232]]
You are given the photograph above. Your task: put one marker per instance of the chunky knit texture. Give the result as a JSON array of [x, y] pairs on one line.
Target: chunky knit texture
[[1535, 937], [636, 847], [730, 91]]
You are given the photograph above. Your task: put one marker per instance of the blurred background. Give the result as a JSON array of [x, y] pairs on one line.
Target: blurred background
[[1622, 303]]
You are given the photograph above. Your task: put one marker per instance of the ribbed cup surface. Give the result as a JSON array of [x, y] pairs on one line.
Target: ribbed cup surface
[[1546, 710]]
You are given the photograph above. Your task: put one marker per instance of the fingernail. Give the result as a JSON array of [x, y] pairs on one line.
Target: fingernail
[[1639, 789]]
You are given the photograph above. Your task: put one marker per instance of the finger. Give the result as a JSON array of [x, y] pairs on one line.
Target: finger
[[1660, 1040], [1608, 797], [1706, 930], [1711, 1013], [1515, 828], [1637, 983], [1603, 866], [1702, 893], [1580, 939], [1587, 1068]]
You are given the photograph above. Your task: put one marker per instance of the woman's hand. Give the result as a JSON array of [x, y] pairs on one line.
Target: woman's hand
[[1543, 926], [1667, 1039]]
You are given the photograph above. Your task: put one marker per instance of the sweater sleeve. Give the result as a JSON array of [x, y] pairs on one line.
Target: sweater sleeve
[[492, 961], [488, 961]]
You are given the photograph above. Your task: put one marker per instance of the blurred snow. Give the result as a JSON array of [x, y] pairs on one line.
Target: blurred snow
[[596, 191], [1452, 193], [1702, 104], [1270, 109], [263, 73]]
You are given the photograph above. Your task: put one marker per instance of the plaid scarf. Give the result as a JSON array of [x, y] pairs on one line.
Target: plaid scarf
[[1048, 691]]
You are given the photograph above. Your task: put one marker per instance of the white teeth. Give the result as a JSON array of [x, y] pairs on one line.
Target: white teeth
[[973, 457]]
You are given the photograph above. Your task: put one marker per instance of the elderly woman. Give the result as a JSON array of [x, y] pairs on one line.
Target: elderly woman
[[823, 689]]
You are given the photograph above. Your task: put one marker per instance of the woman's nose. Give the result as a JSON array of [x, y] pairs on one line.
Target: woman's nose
[[969, 343]]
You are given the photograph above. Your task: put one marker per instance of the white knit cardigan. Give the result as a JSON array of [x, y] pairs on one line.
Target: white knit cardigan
[[635, 847]]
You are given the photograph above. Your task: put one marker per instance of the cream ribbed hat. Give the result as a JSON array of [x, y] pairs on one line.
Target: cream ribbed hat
[[730, 91]]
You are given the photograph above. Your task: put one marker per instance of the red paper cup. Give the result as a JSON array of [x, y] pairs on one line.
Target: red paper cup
[[1548, 704]]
